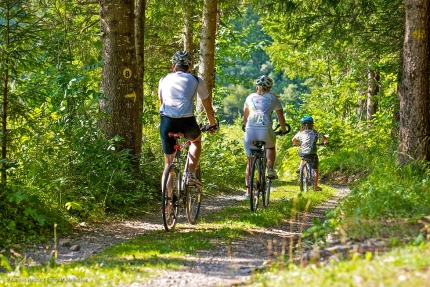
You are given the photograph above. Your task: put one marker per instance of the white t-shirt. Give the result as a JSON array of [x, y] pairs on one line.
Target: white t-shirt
[[177, 91], [260, 110]]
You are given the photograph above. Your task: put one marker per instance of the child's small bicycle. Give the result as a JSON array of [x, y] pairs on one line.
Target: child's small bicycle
[[307, 173]]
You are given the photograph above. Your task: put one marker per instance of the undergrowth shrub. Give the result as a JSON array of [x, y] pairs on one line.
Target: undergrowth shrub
[[223, 158], [390, 191]]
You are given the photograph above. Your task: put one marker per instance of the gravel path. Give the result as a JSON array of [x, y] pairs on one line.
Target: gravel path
[[224, 266]]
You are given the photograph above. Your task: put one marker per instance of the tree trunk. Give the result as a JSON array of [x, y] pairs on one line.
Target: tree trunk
[[361, 105], [414, 96], [120, 81], [207, 47], [140, 47], [372, 91], [188, 28], [4, 132], [4, 137]]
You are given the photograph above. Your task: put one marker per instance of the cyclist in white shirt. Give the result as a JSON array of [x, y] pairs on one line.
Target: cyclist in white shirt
[[257, 118], [177, 92]]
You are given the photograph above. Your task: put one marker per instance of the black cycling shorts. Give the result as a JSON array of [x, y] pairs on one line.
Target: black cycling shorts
[[188, 126], [312, 157]]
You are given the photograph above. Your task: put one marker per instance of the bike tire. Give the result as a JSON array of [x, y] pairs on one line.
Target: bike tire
[[169, 208], [303, 181], [266, 194], [254, 184], [310, 176], [194, 196], [263, 180]]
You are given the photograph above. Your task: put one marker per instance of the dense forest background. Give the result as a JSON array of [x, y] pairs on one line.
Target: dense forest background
[[79, 143]]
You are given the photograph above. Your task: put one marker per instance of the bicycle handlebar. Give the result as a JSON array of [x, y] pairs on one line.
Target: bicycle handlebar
[[209, 128], [275, 129], [281, 132]]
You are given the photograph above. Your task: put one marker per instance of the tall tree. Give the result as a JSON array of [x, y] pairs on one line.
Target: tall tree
[[414, 142], [372, 92], [19, 28], [140, 51], [207, 46], [188, 27], [119, 76]]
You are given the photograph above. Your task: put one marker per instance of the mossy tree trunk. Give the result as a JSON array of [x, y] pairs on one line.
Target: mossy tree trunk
[[120, 76], [414, 143]]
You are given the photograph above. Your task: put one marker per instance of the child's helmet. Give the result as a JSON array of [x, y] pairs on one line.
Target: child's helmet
[[181, 58], [264, 81], [307, 119]]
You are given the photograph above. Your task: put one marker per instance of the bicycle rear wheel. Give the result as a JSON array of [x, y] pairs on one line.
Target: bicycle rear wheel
[[170, 197], [263, 180], [255, 184], [304, 178], [310, 176], [194, 195], [266, 194]]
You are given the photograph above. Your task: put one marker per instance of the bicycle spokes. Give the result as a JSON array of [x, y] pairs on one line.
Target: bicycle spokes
[[255, 184], [170, 197]]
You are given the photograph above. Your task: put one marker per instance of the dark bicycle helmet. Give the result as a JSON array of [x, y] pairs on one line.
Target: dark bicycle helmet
[[181, 58], [307, 119], [264, 81]]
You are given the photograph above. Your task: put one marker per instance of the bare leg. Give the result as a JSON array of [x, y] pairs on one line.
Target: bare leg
[[271, 155], [195, 151], [168, 158], [250, 160], [315, 178]]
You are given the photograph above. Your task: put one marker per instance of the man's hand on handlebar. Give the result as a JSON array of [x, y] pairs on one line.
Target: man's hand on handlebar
[[281, 133], [210, 129]]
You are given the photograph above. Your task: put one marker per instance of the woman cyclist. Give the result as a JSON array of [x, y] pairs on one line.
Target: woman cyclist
[[257, 119]]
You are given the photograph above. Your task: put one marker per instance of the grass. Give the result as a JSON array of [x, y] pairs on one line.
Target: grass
[[395, 209], [408, 266], [145, 256]]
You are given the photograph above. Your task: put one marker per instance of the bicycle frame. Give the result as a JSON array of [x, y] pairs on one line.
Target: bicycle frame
[[179, 148]]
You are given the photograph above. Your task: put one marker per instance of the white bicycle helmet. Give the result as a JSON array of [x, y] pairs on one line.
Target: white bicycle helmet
[[264, 81], [181, 58]]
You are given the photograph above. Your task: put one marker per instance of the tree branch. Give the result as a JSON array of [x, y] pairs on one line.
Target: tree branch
[[88, 2]]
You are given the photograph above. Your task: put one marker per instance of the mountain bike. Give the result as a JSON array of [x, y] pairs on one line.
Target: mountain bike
[[259, 184], [176, 191], [306, 177]]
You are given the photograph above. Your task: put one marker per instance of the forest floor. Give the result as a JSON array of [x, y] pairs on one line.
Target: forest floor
[[226, 265]]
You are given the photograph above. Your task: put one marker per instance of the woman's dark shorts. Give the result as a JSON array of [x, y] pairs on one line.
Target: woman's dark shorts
[[312, 157], [188, 126]]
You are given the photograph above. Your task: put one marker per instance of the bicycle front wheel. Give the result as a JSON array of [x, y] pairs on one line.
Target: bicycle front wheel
[[170, 197], [194, 195], [255, 184]]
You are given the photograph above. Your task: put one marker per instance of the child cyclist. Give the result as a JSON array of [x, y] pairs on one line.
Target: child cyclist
[[308, 137]]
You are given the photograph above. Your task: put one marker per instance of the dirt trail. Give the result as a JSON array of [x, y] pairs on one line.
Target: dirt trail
[[224, 266]]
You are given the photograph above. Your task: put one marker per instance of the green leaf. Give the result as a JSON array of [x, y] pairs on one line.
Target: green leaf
[[73, 205], [5, 263]]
